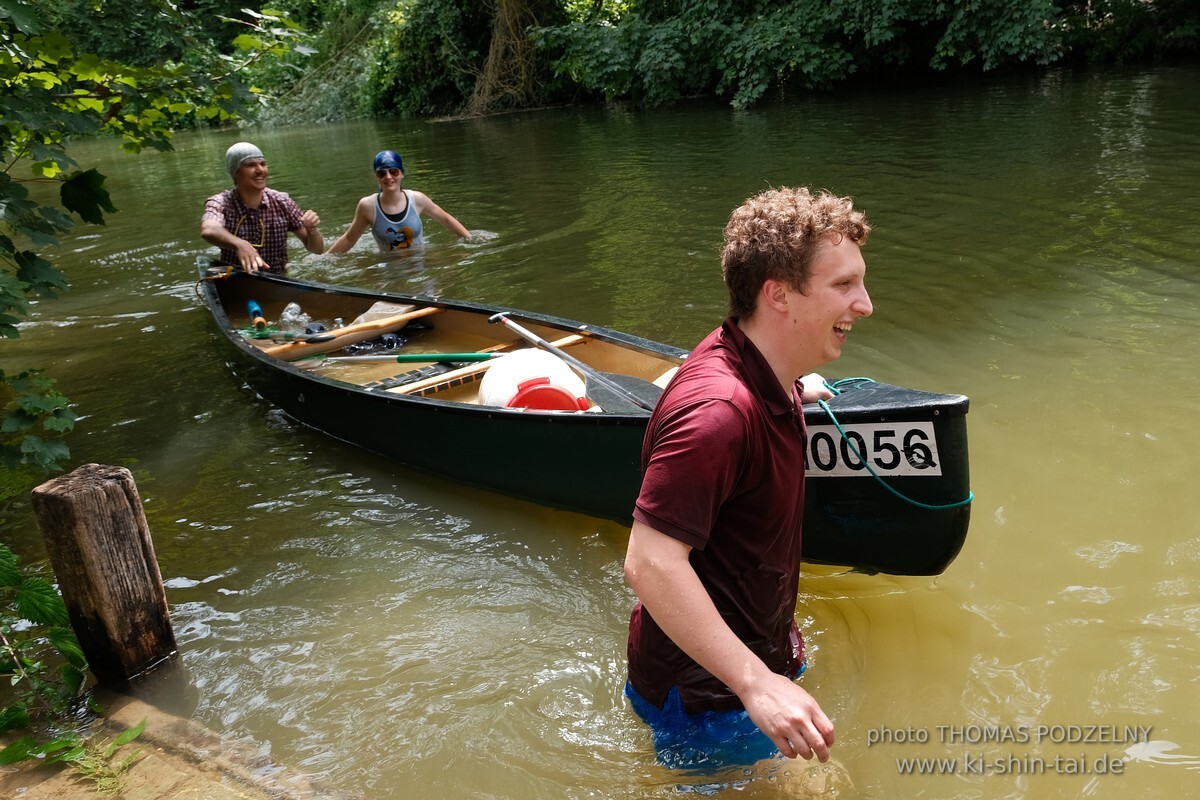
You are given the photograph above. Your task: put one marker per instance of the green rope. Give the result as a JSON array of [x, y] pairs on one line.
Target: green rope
[[833, 387]]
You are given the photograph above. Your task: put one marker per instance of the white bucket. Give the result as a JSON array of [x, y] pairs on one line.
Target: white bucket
[[532, 378]]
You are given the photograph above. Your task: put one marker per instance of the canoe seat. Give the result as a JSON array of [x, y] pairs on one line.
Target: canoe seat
[[662, 380]]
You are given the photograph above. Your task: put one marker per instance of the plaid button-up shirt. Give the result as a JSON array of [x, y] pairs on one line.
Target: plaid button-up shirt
[[265, 227]]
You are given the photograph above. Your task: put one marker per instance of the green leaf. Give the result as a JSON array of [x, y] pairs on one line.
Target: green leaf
[[64, 642], [13, 717], [131, 734], [65, 748], [19, 750], [47, 80], [61, 420], [84, 194], [56, 218], [89, 68], [53, 47], [39, 602], [52, 455], [22, 15], [16, 421], [39, 404], [249, 43], [39, 274], [72, 677], [10, 572]]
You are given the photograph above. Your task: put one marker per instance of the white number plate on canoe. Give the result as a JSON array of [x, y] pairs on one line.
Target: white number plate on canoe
[[905, 448]]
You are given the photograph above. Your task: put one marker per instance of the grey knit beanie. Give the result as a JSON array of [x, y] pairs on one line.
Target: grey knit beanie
[[239, 154]]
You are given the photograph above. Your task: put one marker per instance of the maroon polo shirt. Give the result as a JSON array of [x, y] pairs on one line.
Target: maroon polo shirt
[[723, 466]]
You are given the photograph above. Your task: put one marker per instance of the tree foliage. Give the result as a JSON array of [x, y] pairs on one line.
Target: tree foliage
[[660, 51], [144, 34], [428, 57], [52, 92], [1132, 31], [513, 70], [655, 51]]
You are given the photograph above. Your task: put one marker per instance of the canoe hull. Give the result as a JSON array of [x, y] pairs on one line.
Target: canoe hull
[[913, 523], [583, 462], [590, 462]]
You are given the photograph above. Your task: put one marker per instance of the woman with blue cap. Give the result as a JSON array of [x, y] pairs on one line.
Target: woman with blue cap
[[393, 215]]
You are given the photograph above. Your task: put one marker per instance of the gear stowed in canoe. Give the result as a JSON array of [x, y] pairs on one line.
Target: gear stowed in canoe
[[554, 411]]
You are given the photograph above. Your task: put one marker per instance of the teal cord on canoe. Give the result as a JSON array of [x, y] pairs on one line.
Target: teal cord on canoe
[[833, 387]]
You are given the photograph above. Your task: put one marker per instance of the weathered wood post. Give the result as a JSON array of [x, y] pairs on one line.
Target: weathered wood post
[[99, 545]]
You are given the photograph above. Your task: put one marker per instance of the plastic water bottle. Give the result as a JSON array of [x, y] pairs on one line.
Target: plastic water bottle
[[293, 318]]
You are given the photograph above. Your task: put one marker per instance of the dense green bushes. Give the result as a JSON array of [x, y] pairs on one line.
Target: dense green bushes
[[427, 57], [429, 54], [1132, 31], [740, 48], [422, 57]]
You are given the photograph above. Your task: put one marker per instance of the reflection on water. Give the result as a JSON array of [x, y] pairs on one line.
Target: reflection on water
[[1034, 249]]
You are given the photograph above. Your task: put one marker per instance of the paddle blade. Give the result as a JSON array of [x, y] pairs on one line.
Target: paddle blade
[[284, 336], [643, 390], [622, 400]]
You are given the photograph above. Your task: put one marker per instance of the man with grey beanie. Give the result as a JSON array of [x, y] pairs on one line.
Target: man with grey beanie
[[250, 222]]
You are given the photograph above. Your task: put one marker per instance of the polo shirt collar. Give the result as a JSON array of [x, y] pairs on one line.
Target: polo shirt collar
[[241, 204], [757, 372]]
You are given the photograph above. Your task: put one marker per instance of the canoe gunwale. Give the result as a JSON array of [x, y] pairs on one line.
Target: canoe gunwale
[[618, 338]]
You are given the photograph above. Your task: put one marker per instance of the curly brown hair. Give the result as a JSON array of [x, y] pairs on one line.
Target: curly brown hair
[[775, 236]]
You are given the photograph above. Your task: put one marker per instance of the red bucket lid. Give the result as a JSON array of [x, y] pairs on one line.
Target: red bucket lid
[[539, 393]]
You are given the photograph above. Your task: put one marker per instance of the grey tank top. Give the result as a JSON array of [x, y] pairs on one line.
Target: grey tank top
[[396, 234]]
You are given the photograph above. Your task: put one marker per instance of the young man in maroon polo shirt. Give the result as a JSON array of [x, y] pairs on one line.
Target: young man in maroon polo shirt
[[714, 554]]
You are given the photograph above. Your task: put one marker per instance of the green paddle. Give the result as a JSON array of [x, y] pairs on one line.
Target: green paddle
[[409, 358]]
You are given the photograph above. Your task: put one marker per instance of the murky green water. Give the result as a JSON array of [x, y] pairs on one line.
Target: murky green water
[[1036, 248]]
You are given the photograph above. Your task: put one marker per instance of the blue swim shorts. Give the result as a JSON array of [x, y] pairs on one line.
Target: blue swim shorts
[[708, 742]]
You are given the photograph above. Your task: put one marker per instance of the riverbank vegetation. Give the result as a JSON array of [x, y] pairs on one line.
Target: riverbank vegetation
[[379, 58], [133, 71]]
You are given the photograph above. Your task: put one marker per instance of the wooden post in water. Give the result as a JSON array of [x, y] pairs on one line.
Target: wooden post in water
[[100, 548]]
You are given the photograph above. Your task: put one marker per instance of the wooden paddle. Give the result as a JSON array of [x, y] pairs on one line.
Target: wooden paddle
[[351, 334], [610, 392]]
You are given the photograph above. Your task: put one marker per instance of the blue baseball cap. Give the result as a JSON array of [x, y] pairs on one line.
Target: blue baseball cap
[[388, 159]]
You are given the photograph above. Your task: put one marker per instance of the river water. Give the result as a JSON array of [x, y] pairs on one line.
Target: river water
[[1035, 248]]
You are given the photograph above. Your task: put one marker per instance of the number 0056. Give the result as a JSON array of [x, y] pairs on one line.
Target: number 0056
[[907, 448]]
